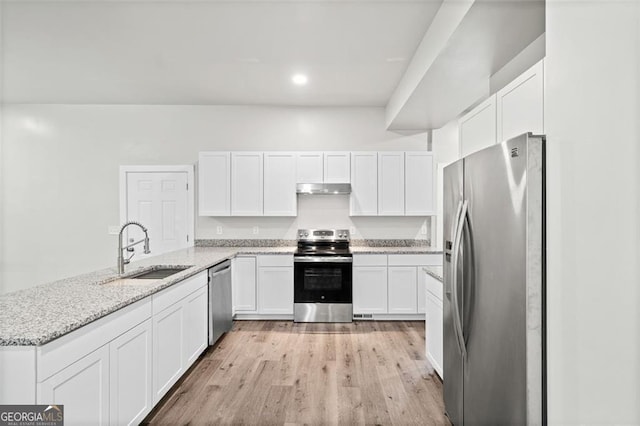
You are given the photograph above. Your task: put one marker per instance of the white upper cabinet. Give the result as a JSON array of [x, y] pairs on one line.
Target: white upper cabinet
[[390, 183], [419, 188], [214, 184], [246, 184], [520, 104], [477, 128], [280, 184], [309, 167], [364, 184], [337, 167]]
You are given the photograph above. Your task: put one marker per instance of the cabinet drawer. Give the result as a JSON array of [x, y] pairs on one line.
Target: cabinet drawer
[[275, 260], [369, 260], [171, 295], [415, 259]]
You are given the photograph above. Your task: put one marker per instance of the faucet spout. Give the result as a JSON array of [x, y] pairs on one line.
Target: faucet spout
[[121, 260]]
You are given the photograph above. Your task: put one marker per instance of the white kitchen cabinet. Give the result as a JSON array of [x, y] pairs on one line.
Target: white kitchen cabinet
[[477, 128], [130, 373], [419, 184], [369, 289], [422, 290], [280, 184], [520, 104], [275, 284], [391, 184], [434, 323], [247, 188], [243, 277], [369, 283], [309, 167], [403, 290], [337, 167], [364, 184], [214, 183], [168, 349], [196, 325], [83, 389]]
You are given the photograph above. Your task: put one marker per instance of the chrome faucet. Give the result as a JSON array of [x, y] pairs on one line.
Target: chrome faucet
[[121, 260]]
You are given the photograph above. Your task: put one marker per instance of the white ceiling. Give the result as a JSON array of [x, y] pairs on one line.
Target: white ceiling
[[209, 52]]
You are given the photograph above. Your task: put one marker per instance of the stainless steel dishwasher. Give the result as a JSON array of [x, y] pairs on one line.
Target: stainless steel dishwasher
[[220, 304]]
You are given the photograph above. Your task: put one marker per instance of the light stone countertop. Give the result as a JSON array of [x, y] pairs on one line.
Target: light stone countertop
[[38, 315], [434, 271]]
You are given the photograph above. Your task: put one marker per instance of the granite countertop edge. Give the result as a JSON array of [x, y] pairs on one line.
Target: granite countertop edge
[[22, 319]]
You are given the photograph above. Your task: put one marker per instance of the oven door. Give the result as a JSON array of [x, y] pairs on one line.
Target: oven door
[[322, 279]]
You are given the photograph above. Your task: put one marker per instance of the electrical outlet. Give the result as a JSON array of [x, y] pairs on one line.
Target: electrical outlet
[[113, 229], [352, 230], [219, 230], [256, 230], [423, 230]]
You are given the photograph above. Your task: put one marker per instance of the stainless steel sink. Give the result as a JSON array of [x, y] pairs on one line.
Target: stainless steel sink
[[158, 274]]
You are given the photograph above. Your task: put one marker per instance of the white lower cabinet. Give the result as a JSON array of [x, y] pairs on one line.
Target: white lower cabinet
[[168, 351], [422, 291], [243, 277], [403, 290], [83, 389], [369, 289], [130, 381], [115, 369], [196, 332], [434, 323], [275, 284]]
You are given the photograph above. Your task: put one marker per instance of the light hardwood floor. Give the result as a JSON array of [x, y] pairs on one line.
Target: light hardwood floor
[[279, 372]]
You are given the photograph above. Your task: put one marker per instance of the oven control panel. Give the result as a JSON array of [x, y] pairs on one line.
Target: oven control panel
[[323, 235]]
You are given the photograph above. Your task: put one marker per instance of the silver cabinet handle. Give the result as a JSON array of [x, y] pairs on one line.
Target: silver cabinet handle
[[457, 322], [326, 259]]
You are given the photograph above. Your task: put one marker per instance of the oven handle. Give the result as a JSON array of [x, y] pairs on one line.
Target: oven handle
[[324, 259]]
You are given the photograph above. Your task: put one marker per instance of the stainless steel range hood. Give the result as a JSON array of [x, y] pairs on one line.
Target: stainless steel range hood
[[323, 188]]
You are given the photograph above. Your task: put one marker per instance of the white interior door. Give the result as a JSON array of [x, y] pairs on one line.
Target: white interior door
[[160, 202]]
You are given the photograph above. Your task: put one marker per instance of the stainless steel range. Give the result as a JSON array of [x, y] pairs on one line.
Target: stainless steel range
[[323, 276]]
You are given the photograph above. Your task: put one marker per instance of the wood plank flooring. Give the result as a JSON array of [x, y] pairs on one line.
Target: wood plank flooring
[[282, 373]]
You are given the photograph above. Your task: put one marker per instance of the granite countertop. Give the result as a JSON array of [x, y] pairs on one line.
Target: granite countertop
[[434, 271], [37, 315]]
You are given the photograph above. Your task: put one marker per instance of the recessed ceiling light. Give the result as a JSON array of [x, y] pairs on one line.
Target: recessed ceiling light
[[299, 79]]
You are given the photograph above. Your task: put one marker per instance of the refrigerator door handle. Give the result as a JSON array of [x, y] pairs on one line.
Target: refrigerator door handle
[[457, 321]]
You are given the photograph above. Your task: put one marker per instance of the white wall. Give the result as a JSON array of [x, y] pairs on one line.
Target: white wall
[[592, 113], [61, 167]]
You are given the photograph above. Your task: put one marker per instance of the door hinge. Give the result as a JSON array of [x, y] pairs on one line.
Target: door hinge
[[187, 187], [187, 237]]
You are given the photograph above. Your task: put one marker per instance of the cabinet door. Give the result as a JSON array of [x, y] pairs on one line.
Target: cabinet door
[[196, 325], [477, 128], [390, 183], [422, 291], [309, 167], [243, 277], [520, 105], [130, 371], [369, 289], [337, 167], [364, 184], [403, 290], [434, 333], [214, 184], [83, 389], [275, 290], [280, 184], [168, 349], [246, 184], [419, 184]]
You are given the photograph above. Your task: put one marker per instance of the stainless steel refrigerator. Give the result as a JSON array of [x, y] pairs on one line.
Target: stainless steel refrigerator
[[494, 269]]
